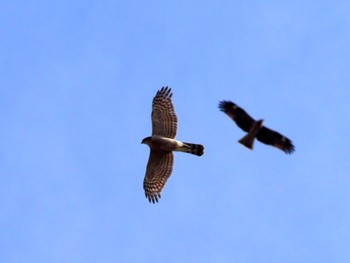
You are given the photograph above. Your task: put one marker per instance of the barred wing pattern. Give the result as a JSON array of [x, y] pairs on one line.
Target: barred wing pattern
[[159, 169], [164, 119]]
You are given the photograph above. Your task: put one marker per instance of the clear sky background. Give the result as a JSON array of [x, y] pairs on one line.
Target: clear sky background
[[77, 79]]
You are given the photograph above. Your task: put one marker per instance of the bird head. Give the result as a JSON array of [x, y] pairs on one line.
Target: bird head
[[146, 140]]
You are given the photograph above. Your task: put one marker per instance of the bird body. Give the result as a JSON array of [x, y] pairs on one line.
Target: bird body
[[248, 140], [162, 143], [255, 129]]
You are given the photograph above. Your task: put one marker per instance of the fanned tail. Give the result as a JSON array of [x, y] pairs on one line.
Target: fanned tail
[[248, 141], [196, 149]]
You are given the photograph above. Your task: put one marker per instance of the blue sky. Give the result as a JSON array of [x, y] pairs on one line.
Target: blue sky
[[76, 84]]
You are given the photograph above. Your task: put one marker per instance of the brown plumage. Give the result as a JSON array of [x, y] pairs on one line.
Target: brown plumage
[[162, 143], [255, 129]]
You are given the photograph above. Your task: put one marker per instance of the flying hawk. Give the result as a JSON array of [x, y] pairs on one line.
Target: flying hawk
[[162, 143], [255, 129]]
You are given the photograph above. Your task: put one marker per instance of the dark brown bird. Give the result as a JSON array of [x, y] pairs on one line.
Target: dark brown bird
[[255, 129]]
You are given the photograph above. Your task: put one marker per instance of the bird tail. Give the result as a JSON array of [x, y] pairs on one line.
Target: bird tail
[[248, 140], [196, 149]]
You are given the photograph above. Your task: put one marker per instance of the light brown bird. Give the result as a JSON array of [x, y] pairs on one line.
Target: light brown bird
[[162, 143]]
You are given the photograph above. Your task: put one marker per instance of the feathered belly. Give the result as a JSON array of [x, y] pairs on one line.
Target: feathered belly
[[165, 144]]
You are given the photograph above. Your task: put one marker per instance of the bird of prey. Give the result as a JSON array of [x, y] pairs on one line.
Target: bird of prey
[[255, 129], [162, 143]]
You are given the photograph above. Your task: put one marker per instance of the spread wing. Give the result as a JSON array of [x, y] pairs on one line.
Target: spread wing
[[271, 137], [159, 168], [164, 119], [237, 114]]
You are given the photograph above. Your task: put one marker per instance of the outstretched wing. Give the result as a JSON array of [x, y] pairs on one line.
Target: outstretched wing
[[159, 169], [164, 119], [271, 137], [240, 116]]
